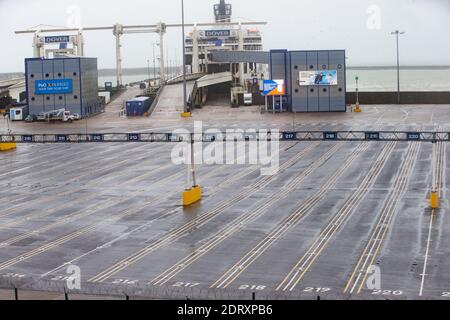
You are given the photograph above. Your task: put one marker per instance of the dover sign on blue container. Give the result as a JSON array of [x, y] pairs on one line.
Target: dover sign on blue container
[[57, 39], [54, 86]]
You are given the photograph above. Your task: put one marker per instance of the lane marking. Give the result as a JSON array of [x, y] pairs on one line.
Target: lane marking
[[372, 247], [284, 226], [202, 219], [305, 263]]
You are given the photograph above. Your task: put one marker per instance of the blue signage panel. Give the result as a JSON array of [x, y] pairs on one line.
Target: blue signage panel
[[27, 138], [54, 86], [273, 88], [269, 86], [330, 136], [289, 136], [57, 39], [217, 33], [97, 137], [61, 138], [413, 136], [134, 137], [372, 136]]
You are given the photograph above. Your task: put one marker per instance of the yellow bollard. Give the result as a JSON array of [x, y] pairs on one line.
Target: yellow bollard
[[6, 146], [358, 108], [186, 115], [191, 196], [434, 200]]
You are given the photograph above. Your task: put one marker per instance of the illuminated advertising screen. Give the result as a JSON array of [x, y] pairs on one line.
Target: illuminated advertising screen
[[318, 78], [274, 88]]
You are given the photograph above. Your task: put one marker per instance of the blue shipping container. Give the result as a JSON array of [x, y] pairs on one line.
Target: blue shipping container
[[138, 106]]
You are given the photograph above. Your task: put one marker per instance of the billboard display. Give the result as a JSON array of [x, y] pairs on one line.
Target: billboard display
[[60, 86], [318, 78], [274, 88]]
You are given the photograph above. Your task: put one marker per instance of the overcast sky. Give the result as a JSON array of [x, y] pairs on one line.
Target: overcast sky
[[362, 27]]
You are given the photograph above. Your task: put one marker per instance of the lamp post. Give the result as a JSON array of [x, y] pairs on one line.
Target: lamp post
[[357, 90], [168, 64], [148, 69], [397, 33], [176, 63], [186, 112], [357, 106], [154, 60]]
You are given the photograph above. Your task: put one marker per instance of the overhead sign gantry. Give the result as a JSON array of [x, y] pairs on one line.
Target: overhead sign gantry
[[381, 136]]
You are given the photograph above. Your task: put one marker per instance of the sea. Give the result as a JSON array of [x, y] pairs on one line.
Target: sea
[[370, 78]]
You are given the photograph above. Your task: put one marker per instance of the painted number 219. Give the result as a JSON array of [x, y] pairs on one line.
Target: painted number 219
[[317, 290]]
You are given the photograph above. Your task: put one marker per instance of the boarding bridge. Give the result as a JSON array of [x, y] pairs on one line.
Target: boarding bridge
[[5, 84], [212, 79], [199, 93], [11, 82], [170, 101], [12, 87]]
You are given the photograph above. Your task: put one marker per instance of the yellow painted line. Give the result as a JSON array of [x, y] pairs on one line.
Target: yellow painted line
[[315, 250], [238, 223], [231, 274], [384, 219], [178, 232], [441, 150], [386, 225]]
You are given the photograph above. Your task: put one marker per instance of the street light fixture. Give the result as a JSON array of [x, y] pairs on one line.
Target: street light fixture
[[397, 33], [148, 69], [154, 60], [186, 112]]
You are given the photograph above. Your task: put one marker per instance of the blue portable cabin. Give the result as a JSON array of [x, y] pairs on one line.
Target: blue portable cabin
[[137, 107]]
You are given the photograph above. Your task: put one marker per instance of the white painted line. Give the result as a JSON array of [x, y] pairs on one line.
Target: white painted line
[[424, 272]]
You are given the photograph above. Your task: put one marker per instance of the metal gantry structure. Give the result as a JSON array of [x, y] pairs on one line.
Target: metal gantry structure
[[193, 194], [381, 136], [118, 31]]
